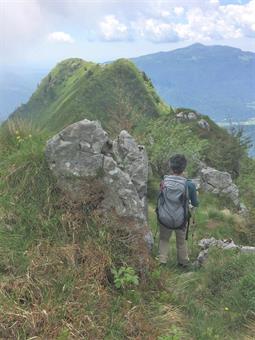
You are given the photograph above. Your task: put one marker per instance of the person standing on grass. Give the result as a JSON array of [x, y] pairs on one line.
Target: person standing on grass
[[176, 193]]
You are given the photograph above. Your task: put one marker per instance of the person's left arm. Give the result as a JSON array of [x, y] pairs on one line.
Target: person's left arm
[[193, 194]]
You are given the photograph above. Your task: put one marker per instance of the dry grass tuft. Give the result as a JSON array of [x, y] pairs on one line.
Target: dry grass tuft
[[64, 287], [250, 329], [138, 325]]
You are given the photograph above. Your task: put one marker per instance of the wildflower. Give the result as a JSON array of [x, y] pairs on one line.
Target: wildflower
[[226, 308], [17, 132], [18, 137], [30, 136]]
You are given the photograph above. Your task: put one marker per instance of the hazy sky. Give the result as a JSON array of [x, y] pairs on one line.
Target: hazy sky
[[42, 32]]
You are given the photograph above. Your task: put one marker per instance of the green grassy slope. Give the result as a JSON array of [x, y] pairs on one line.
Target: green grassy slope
[[165, 136], [117, 94], [57, 263]]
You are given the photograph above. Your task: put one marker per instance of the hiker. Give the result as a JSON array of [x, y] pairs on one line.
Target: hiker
[[176, 193]]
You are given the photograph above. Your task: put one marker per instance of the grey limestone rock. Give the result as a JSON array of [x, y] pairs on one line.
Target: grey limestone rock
[[247, 249], [133, 160], [206, 243], [228, 244], [219, 182], [202, 256], [192, 116], [186, 116], [110, 175], [204, 124]]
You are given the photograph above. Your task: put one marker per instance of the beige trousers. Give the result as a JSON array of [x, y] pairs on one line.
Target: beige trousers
[[181, 245]]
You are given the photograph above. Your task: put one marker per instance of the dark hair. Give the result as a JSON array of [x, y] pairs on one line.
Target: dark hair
[[178, 163]]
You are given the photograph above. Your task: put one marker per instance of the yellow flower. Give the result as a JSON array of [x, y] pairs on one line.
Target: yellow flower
[[226, 308]]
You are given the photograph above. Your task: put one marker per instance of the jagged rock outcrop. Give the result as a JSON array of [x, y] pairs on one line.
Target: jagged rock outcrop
[[186, 116], [110, 176], [228, 244], [132, 159], [219, 182], [192, 116]]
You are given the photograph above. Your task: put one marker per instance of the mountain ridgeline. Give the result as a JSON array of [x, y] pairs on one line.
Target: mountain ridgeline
[[216, 80], [117, 94], [122, 97]]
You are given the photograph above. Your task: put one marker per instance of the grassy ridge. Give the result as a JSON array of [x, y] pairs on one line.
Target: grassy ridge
[[121, 97], [117, 94]]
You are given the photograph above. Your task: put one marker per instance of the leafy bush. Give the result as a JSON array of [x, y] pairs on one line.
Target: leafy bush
[[165, 137], [125, 277]]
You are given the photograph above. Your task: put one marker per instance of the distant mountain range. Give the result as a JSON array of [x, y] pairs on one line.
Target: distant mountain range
[[214, 80]]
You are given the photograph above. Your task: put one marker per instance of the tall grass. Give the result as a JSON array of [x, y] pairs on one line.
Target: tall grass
[[55, 261], [55, 265]]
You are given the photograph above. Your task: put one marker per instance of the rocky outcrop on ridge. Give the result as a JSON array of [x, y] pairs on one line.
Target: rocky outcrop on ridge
[[204, 124], [219, 182], [186, 116], [192, 116], [109, 176], [229, 244]]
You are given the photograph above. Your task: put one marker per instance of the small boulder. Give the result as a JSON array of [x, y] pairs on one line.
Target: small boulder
[[192, 116], [204, 124], [228, 244], [219, 182], [186, 116], [247, 250]]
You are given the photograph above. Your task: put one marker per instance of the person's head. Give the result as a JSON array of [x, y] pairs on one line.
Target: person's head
[[178, 164]]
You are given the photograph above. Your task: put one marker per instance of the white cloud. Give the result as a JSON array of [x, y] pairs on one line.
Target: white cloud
[[178, 10], [241, 16], [21, 24], [60, 37], [164, 14], [225, 22], [25, 24], [157, 31], [214, 2], [206, 21], [112, 29]]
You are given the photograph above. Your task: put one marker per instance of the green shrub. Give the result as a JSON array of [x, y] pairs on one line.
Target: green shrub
[[125, 277]]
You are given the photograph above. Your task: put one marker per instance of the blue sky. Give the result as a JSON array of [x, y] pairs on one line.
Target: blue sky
[[40, 33]]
